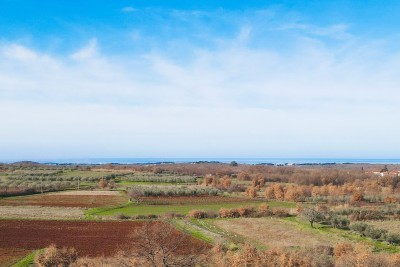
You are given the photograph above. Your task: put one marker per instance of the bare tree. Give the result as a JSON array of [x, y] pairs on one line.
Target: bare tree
[[135, 194], [158, 244]]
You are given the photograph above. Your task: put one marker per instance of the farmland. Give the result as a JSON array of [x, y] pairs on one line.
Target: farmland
[[291, 210], [84, 199]]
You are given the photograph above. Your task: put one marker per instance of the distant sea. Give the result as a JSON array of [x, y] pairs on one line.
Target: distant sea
[[275, 161]]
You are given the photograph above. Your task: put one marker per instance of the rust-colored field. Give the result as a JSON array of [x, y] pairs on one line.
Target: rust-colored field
[[88, 238], [62, 200], [9, 256]]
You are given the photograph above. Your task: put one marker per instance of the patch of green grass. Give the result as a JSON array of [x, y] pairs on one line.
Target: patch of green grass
[[84, 174], [144, 209], [195, 232]]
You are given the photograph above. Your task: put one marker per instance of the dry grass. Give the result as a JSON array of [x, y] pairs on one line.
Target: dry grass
[[86, 193], [34, 212], [274, 232]]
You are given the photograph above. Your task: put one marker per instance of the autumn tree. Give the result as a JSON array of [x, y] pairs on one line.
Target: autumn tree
[[102, 183], [251, 192], [244, 176], [157, 245], [269, 193], [226, 181]]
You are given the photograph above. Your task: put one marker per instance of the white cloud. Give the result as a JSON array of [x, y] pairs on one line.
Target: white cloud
[[87, 52], [128, 9], [234, 100]]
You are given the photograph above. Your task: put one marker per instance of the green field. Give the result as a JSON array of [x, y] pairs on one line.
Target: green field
[[145, 209]]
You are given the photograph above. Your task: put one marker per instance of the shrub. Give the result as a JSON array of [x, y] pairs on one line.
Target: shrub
[[339, 222], [264, 210], [151, 216], [246, 211], [228, 213], [393, 238], [359, 227], [251, 192], [211, 214], [343, 248], [375, 233], [53, 256], [102, 183], [363, 214], [121, 216], [280, 213], [197, 214]]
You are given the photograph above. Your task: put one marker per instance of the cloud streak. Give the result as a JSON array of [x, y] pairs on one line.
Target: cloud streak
[[235, 99]]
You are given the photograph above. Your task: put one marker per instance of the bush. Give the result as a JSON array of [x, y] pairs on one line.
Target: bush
[[363, 214], [264, 210], [375, 233], [359, 227], [201, 214], [280, 213], [339, 222], [121, 216], [53, 256], [246, 211], [197, 214], [369, 231], [229, 213], [393, 238]]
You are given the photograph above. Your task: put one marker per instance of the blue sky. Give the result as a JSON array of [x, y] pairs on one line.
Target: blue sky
[[81, 79]]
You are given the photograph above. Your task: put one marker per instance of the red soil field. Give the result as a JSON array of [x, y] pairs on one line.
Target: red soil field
[[88, 238], [9, 256], [47, 200]]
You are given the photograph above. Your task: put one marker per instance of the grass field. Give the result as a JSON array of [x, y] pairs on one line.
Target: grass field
[[275, 232], [144, 209]]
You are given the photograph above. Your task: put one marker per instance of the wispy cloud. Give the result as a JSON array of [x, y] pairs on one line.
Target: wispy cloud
[[128, 9], [237, 98]]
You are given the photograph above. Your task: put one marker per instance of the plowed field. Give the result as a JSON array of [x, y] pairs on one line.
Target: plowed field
[[64, 200], [9, 256], [88, 238]]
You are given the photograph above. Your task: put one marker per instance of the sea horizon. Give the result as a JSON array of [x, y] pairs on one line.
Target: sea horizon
[[251, 161]]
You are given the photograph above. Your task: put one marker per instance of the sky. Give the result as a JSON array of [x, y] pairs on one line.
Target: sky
[[95, 79]]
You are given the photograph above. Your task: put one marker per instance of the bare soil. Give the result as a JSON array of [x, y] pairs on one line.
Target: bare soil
[[86, 193], [87, 199], [9, 256], [35, 212], [88, 238]]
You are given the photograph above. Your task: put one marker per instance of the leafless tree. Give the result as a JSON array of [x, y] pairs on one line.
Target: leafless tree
[[159, 244]]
